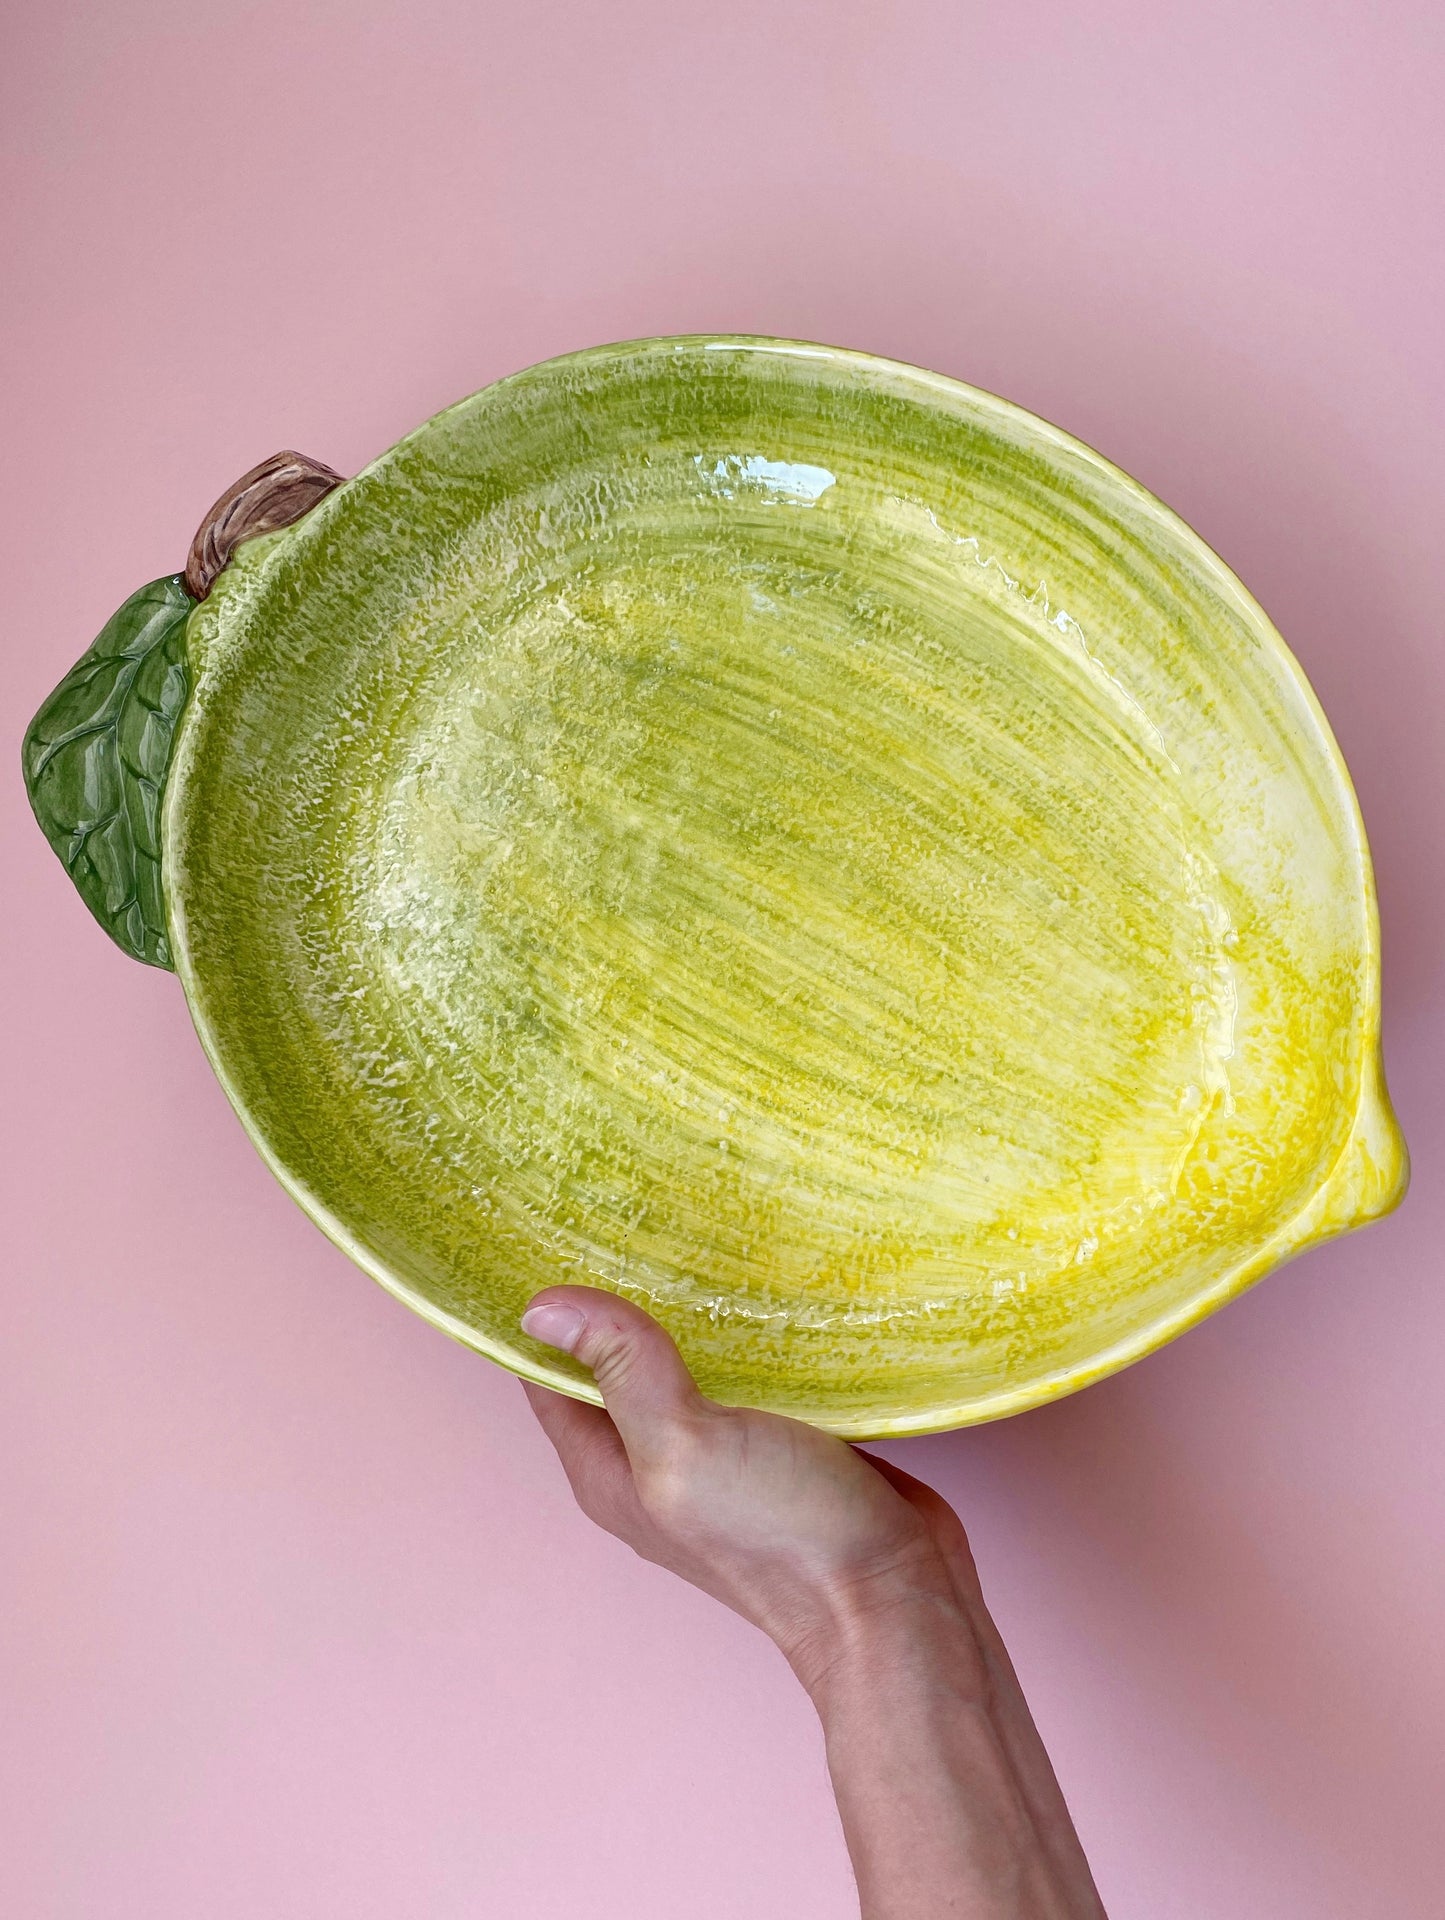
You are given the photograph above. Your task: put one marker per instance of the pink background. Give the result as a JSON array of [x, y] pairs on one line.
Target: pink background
[[297, 1619]]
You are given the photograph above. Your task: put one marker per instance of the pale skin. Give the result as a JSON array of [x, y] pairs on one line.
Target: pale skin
[[864, 1579]]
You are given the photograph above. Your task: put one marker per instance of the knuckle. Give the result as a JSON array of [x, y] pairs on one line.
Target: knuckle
[[614, 1361], [666, 1495], [668, 1483]]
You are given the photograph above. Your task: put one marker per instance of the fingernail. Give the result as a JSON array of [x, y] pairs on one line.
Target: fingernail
[[554, 1325]]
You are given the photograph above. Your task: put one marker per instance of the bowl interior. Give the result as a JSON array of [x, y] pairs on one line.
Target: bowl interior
[[792, 839]]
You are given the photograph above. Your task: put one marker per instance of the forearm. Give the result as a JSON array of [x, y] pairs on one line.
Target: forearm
[[942, 1810]]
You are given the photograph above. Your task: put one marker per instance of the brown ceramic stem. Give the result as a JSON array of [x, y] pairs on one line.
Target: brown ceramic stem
[[269, 497]]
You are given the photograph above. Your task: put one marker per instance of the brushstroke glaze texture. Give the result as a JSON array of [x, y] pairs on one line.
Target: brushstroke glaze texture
[[796, 840]]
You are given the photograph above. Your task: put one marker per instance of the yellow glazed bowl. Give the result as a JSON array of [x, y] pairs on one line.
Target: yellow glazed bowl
[[795, 840]]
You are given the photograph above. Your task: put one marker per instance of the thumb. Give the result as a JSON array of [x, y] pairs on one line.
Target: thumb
[[644, 1383]]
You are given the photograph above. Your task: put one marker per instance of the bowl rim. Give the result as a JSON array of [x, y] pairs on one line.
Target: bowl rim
[[1369, 1175]]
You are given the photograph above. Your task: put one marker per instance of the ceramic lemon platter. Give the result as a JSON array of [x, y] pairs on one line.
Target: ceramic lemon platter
[[779, 834]]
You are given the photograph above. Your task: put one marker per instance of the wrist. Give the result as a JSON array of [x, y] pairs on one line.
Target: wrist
[[866, 1624]]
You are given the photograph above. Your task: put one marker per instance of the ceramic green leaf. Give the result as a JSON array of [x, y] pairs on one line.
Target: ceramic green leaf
[[785, 836], [96, 757]]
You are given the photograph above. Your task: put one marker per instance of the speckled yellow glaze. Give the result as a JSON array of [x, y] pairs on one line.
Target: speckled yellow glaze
[[796, 840]]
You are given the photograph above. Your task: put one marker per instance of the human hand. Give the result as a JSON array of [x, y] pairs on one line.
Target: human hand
[[790, 1527]]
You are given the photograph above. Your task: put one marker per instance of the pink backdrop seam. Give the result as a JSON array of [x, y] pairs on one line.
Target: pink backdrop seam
[[296, 1617]]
